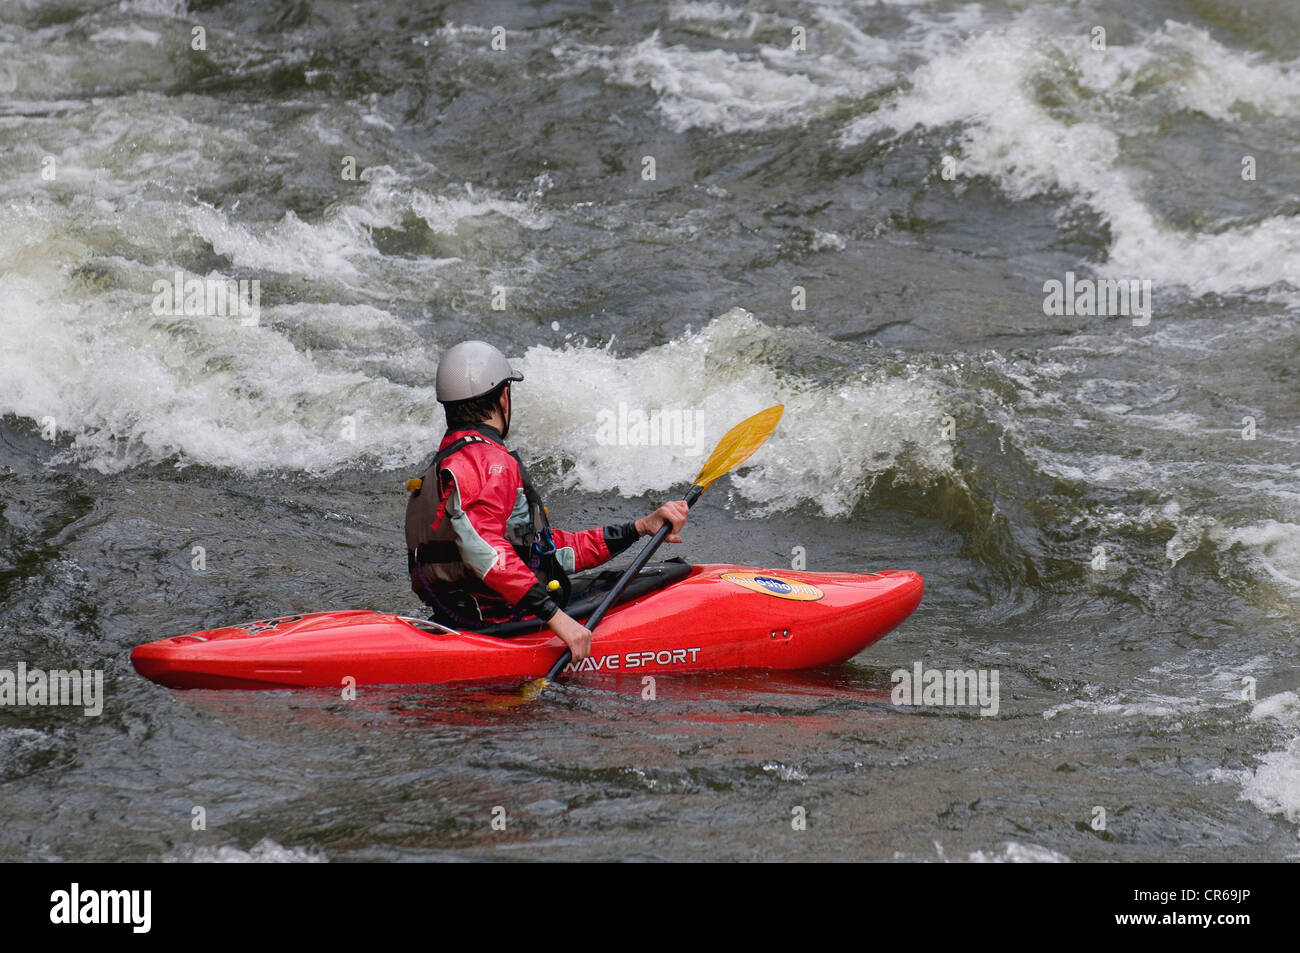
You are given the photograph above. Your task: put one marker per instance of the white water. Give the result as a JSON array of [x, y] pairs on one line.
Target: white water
[[1274, 786], [987, 86], [978, 72]]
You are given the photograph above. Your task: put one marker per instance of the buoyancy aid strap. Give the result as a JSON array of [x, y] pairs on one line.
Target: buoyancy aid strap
[[447, 451], [546, 565], [540, 519]]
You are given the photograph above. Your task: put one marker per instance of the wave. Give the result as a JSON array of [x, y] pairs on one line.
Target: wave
[[1039, 113]]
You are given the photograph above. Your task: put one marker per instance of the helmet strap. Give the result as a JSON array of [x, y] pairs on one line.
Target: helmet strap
[[505, 414]]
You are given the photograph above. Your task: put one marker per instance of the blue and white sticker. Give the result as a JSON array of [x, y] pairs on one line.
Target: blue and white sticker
[[771, 585]]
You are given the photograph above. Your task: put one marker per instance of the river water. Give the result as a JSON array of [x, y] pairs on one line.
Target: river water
[[1104, 506]]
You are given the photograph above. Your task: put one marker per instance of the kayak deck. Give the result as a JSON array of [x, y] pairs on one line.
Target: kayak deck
[[720, 617]]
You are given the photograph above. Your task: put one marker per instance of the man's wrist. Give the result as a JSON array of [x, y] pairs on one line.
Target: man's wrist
[[620, 537]]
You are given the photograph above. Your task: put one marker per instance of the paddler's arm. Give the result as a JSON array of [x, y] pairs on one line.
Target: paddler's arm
[[519, 586], [572, 633], [675, 513], [585, 549], [592, 547]]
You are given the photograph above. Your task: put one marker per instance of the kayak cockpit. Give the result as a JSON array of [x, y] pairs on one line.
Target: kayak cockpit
[[589, 590]]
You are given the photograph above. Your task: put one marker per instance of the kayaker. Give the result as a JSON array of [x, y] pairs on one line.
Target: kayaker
[[480, 549]]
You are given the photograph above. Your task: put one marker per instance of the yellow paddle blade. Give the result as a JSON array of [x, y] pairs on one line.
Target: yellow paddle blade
[[738, 445], [533, 690], [529, 693]]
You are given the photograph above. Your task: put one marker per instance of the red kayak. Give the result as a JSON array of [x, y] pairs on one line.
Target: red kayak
[[677, 618]]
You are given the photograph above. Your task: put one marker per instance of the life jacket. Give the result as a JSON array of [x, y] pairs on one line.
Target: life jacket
[[439, 574]]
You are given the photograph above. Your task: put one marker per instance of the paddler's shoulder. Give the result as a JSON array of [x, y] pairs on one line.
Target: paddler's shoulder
[[481, 438], [485, 452]]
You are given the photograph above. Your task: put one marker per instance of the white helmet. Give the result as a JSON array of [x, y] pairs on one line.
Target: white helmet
[[472, 369]]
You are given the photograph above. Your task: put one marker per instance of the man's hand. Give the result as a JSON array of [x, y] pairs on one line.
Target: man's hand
[[573, 633], [674, 512]]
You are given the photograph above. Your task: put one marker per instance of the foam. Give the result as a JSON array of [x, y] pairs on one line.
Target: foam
[[1271, 546], [720, 373], [1218, 689], [127, 387], [1274, 786], [725, 91], [265, 851], [1012, 852], [987, 87]]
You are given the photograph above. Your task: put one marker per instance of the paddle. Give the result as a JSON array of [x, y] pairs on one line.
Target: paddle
[[732, 450]]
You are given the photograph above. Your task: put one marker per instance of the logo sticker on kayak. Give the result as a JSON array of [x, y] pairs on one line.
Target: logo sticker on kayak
[[650, 659], [774, 586]]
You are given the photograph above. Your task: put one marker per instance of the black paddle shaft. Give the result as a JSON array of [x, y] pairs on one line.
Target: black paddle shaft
[[638, 564]]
